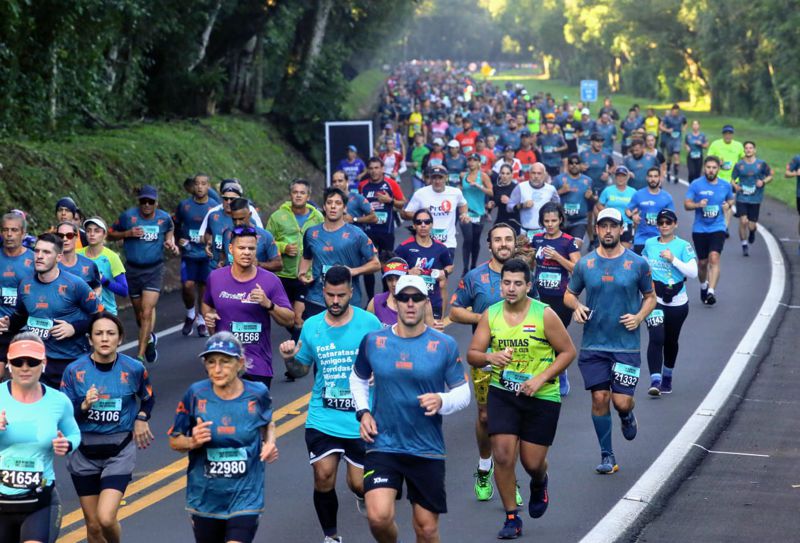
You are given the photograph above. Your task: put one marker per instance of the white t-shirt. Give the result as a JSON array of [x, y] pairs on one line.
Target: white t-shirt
[[524, 192], [443, 207]]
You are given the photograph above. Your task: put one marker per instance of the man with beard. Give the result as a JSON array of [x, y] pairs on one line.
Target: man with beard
[[478, 290], [329, 342], [529, 196], [530, 348], [16, 262], [710, 197], [639, 163], [619, 297], [418, 377], [577, 197], [644, 207]]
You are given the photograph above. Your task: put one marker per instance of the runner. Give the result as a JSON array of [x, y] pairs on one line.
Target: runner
[[793, 170], [671, 127], [526, 156], [36, 424], [288, 224], [524, 400], [455, 162], [384, 306], [428, 259], [329, 343], [650, 149], [444, 203], [358, 211], [605, 127], [610, 352], [476, 187], [335, 242], [672, 261], [729, 151], [67, 211], [103, 387], [695, 143], [628, 125], [577, 196], [597, 165], [529, 196], [501, 195], [71, 262], [403, 426], [415, 159], [435, 157], [145, 231], [188, 218], [245, 298], [476, 291], [466, 138], [551, 144], [487, 155], [16, 262], [63, 320], [353, 167], [639, 163], [225, 477], [267, 255], [392, 159], [618, 196], [509, 159], [709, 197], [109, 264], [644, 207], [386, 198], [750, 176]]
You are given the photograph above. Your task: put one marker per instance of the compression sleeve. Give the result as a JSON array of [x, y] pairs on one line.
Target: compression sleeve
[[147, 405], [454, 400], [689, 269], [118, 284], [359, 388]]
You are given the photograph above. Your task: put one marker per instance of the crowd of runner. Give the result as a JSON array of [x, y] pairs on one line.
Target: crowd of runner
[[575, 233]]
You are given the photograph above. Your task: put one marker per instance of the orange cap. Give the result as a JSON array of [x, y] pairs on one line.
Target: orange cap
[[26, 348]]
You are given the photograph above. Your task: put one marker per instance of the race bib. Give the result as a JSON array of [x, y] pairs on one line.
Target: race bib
[[227, 463], [194, 236], [676, 134], [531, 233], [655, 318], [9, 295], [627, 142], [726, 165], [710, 212], [150, 233], [695, 154], [548, 149], [748, 191], [625, 375], [246, 332], [339, 399], [650, 219], [382, 216], [549, 280], [526, 168], [40, 327], [569, 136], [572, 209], [512, 380], [453, 178], [439, 234], [105, 411], [218, 242], [21, 473]]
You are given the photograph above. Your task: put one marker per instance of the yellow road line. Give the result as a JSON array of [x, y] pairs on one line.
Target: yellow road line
[[290, 409]]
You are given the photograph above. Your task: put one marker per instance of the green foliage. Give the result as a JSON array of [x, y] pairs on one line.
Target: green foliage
[[101, 170]]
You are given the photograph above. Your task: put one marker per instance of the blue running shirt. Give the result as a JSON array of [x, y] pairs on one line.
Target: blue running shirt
[[664, 271], [576, 208], [710, 218], [649, 205], [618, 199], [189, 216], [13, 269], [479, 289], [148, 249], [332, 350], [85, 269], [747, 175]]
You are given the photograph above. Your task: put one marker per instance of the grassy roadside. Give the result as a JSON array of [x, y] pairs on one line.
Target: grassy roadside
[[776, 144], [361, 101], [101, 169]]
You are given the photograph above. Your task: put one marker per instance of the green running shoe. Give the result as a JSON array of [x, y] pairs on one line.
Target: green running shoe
[[484, 489], [519, 497]]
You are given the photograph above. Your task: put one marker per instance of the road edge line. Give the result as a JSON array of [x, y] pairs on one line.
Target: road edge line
[[670, 468]]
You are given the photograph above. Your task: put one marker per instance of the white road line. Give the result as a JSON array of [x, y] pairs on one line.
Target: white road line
[[729, 452], [159, 335], [630, 508]]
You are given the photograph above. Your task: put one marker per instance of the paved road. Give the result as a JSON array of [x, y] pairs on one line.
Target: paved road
[[579, 497]]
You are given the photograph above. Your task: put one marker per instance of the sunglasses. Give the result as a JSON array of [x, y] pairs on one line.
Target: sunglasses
[[19, 362], [419, 222], [664, 223], [573, 163], [147, 202], [417, 297], [228, 198], [244, 231], [67, 235]]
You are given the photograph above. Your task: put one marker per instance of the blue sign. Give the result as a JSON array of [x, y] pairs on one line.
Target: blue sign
[[589, 90]]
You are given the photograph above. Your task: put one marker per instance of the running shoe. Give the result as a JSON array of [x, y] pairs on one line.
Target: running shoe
[[539, 499], [187, 326], [518, 497], [329, 539], [361, 505], [745, 250], [711, 299], [751, 237], [608, 465], [563, 384], [655, 387], [289, 378], [629, 426], [484, 490], [703, 294], [150, 352], [202, 330], [666, 385], [512, 528]]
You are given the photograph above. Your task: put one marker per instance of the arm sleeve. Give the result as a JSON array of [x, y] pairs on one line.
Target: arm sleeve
[[359, 388], [204, 224], [94, 280], [689, 269], [455, 400], [118, 285]]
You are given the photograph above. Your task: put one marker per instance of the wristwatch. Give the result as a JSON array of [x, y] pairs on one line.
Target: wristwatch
[[270, 308], [142, 417], [360, 413]]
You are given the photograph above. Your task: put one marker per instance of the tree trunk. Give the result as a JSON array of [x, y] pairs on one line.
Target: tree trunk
[[53, 85], [201, 52], [317, 37]]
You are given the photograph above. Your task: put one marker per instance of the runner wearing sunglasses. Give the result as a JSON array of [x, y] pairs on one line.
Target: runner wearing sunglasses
[[267, 255], [36, 424], [74, 263]]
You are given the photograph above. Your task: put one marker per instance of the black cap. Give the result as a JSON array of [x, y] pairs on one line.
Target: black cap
[[667, 214], [597, 136]]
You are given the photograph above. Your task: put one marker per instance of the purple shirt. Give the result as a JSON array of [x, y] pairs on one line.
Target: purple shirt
[[247, 320], [385, 314]]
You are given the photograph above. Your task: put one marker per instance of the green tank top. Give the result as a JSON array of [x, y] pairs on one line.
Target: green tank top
[[534, 120], [532, 352]]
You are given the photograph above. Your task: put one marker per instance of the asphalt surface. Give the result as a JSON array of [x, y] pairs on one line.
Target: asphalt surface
[[154, 509]]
